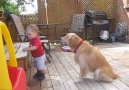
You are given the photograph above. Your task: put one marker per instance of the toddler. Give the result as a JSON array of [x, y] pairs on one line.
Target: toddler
[[37, 51]]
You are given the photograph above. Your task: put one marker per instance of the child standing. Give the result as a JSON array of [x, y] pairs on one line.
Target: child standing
[[37, 51]]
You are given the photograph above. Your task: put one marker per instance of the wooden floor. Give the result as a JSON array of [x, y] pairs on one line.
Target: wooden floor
[[62, 72]]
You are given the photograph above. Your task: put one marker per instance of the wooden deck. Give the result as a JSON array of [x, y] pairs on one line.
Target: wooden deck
[[62, 71]]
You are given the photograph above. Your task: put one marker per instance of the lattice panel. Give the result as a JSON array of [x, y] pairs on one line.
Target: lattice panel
[[104, 5], [29, 18], [58, 10], [61, 11]]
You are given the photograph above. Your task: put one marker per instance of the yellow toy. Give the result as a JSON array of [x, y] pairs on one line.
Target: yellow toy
[[11, 77]]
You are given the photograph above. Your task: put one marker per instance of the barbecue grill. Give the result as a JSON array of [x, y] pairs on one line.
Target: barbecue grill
[[95, 22]]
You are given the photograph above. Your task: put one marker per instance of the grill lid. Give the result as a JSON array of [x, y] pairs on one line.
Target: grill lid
[[96, 15]]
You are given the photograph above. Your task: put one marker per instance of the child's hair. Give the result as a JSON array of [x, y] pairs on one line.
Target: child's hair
[[33, 28]]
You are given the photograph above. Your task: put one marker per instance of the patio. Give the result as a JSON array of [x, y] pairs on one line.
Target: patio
[[62, 71]]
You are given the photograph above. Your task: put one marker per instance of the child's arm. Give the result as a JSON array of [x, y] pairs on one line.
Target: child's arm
[[30, 48]]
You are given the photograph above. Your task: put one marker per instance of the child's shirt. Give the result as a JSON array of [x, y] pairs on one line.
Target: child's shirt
[[39, 51]]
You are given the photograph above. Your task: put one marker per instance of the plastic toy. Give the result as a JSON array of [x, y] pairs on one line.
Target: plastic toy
[[11, 77], [66, 49]]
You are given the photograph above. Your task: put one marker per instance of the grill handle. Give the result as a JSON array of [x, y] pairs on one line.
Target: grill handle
[[100, 14]]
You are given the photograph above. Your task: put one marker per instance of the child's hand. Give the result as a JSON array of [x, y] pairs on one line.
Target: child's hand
[[24, 49]]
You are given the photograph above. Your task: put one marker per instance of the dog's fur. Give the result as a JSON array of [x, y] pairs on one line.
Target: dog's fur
[[90, 59]]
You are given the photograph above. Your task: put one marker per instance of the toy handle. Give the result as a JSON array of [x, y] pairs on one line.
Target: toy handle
[[5, 83], [8, 40]]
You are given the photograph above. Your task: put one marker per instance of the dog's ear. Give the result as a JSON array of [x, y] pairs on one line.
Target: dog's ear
[[74, 37], [68, 36]]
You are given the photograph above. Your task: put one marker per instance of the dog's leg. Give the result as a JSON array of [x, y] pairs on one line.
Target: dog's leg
[[101, 75], [105, 77], [82, 74], [83, 71]]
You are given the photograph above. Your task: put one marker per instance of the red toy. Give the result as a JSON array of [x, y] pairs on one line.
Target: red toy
[[66, 49], [11, 76]]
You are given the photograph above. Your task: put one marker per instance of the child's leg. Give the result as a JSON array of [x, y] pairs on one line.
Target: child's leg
[[41, 67], [41, 71], [35, 65], [41, 75], [41, 64]]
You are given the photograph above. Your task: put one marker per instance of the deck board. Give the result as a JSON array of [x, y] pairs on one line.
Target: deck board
[[47, 83], [35, 84], [66, 80], [63, 71], [55, 77]]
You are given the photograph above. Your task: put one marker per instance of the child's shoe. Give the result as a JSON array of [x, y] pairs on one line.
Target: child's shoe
[[41, 76], [36, 75]]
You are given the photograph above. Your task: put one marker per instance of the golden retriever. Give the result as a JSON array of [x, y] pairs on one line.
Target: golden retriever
[[89, 59]]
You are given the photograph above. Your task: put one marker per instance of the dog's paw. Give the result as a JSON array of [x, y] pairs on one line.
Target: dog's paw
[[78, 81]]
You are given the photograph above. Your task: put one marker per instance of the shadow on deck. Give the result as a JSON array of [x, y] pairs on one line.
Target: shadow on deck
[[62, 71]]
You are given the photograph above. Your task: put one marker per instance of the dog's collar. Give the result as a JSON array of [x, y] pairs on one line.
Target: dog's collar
[[78, 46]]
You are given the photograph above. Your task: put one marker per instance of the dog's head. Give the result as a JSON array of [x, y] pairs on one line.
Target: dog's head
[[72, 40]]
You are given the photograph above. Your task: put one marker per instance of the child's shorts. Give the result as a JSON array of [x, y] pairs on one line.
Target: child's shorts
[[39, 62]]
